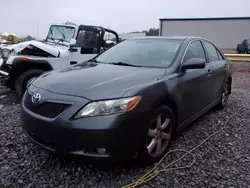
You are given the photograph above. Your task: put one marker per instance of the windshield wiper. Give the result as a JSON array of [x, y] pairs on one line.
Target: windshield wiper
[[94, 60], [124, 64], [62, 35], [52, 39], [61, 40]]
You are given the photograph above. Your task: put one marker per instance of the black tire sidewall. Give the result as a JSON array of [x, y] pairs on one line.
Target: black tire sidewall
[[22, 80], [221, 105], [144, 157]]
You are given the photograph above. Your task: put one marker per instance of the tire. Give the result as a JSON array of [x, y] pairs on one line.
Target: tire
[[224, 96], [154, 136], [22, 80]]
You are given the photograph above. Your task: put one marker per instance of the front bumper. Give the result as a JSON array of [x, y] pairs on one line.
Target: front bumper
[[4, 74], [3, 80], [121, 135]]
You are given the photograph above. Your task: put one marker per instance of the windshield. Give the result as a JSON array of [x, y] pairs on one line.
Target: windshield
[[142, 52], [61, 33]]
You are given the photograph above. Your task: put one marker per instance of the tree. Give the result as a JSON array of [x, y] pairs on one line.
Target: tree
[[152, 32], [28, 38]]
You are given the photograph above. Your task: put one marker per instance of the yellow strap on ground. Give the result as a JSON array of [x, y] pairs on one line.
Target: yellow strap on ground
[[154, 172]]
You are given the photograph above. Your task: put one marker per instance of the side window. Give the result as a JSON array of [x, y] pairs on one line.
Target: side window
[[88, 41], [80, 38], [211, 52], [195, 50], [109, 40], [220, 56]]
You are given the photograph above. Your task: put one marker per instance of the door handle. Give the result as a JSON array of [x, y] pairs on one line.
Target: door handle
[[73, 49], [209, 72], [226, 64], [73, 62]]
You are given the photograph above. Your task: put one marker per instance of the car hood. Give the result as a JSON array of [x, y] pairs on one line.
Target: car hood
[[51, 48], [96, 81]]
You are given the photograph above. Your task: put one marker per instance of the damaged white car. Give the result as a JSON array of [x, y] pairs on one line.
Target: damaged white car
[[65, 44]]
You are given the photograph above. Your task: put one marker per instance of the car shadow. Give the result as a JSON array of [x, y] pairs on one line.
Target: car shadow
[[199, 119], [102, 164]]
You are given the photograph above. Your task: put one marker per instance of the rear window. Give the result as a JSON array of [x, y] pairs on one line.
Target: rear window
[[211, 51]]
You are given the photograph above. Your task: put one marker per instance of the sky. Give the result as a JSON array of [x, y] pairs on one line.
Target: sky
[[33, 17]]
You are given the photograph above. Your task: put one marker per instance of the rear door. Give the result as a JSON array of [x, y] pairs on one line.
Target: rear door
[[195, 84], [219, 68]]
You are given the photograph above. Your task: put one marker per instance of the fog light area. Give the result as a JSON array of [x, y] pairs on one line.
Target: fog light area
[[101, 151]]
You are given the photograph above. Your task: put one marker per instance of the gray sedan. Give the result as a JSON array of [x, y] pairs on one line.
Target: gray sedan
[[129, 101]]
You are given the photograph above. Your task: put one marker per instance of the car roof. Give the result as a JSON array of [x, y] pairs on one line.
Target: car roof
[[167, 37]]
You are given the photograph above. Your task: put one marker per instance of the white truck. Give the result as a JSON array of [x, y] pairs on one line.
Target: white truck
[[66, 44]]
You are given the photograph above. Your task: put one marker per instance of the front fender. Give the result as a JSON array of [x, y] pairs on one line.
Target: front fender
[[156, 94], [17, 65], [17, 61]]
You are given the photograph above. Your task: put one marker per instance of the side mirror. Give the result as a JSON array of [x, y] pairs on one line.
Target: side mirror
[[72, 42], [194, 63]]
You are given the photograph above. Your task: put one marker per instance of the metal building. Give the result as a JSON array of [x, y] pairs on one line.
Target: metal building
[[225, 32]]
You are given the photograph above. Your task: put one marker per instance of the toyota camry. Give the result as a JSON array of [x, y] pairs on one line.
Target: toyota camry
[[129, 101]]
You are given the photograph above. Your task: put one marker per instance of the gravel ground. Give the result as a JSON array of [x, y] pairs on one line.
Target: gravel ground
[[223, 161]]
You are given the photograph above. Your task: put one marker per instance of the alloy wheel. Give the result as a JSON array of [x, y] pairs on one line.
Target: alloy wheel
[[159, 135]]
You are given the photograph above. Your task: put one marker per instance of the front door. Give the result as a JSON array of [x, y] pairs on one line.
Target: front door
[[87, 45], [195, 84], [219, 68]]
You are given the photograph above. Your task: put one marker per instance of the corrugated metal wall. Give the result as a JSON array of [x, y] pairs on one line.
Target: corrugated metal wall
[[224, 33]]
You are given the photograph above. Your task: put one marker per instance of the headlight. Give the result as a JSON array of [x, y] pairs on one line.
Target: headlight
[[30, 82], [12, 53], [1, 61], [108, 107]]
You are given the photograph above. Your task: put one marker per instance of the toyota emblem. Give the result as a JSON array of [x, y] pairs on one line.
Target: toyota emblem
[[36, 97]]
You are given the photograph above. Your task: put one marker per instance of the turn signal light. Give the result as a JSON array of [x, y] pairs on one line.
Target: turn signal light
[[23, 58]]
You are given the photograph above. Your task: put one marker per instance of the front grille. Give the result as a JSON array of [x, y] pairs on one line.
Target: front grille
[[45, 109]]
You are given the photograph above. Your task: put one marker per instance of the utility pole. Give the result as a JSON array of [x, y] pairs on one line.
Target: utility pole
[[37, 33], [108, 33]]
